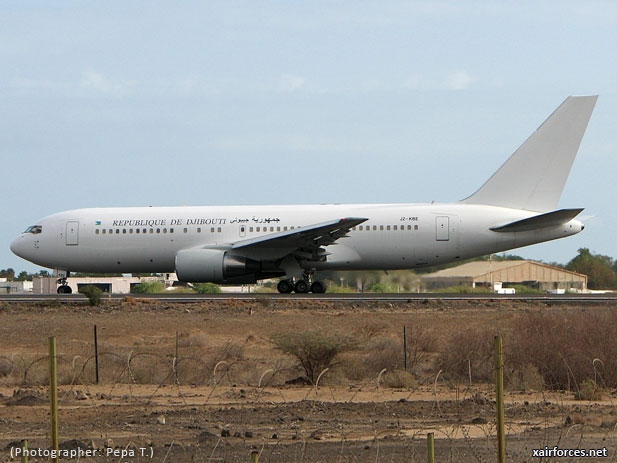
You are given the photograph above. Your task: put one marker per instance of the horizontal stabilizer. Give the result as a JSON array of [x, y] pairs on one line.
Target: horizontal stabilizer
[[550, 219]]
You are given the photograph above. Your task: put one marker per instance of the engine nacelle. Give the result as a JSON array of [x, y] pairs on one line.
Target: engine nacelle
[[215, 266]]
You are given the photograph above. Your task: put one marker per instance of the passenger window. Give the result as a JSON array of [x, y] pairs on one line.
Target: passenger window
[[415, 227], [278, 228], [104, 231], [408, 227], [124, 231], [171, 230], [158, 230], [137, 230], [395, 227], [164, 230], [388, 227], [360, 228], [251, 229], [271, 229], [218, 229], [144, 230], [186, 230], [152, 230], [212, 230], [284, 228], [97, 231], [117, 231], [131, 231], [374, 227], [199, 230], [381, 227]]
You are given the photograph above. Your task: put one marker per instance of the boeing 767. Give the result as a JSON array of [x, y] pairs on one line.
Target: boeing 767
[[516, 206]]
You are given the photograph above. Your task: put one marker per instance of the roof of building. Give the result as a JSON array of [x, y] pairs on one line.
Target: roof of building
[[479, 268]]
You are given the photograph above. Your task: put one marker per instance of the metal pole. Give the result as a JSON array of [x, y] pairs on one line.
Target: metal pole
[[24, 451], [405, 346], [96, 355], [501, 436], [430, 444], [53, 394]]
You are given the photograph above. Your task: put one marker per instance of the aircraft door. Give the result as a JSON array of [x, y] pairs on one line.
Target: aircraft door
[[442, 228], [242, 231], [72, 233]]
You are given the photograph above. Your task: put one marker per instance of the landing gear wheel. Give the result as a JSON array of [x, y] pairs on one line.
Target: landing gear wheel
[[64, 289], [318, 287], [301, 287], [285, 287]]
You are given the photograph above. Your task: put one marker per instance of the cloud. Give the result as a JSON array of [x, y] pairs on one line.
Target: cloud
[[458, 80], [291, 83], [455, 80], [92, 80]]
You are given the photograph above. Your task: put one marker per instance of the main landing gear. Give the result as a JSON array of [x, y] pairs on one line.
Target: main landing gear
[[302, 286]]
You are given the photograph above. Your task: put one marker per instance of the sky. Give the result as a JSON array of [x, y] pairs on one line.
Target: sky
[[295, 102]]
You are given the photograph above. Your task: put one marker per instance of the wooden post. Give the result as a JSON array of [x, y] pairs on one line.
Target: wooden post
[[254, 456], [176, 361], [501, 436], [405, 347], [53, 394], [24, 451], [430, 447], [96, 355]]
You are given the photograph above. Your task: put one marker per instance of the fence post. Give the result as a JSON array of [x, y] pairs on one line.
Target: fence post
[[53, 394], [430, 444], [24, 451], [96, 355], [176, 359], [405, 346], [254, 456], [501, 437]]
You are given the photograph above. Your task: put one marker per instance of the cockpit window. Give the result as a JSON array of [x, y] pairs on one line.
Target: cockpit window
[[34, 229]]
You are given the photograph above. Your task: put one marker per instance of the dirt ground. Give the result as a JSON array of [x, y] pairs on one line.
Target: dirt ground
[[230, 391]]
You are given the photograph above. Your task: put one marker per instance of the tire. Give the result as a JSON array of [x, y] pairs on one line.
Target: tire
[[284, 287], [318, 287], [301, 287], [64, 289]]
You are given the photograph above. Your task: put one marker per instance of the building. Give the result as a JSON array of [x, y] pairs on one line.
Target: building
[[114, 285], [509, 272], [15, 287]]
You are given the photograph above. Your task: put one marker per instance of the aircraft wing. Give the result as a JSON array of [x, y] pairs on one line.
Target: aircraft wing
[[550, 219], [305, 242]]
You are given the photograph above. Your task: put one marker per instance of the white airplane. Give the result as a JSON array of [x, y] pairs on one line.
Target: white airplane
[[516, 207]]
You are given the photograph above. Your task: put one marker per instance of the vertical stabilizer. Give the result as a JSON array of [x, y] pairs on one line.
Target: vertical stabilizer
[[534, 176]]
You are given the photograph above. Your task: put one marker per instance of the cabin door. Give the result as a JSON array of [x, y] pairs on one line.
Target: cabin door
[[72, 233], [442, 228]]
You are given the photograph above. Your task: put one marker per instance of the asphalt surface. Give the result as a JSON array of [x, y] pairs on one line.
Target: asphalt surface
[[360, 297]]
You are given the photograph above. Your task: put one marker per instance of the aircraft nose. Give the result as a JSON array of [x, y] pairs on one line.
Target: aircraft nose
[[17, 246]]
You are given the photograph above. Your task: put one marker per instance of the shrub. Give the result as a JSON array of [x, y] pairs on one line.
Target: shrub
[[471, 348], [315, 350], [588, 390], [381, 287], [93, 294], [148, 287], [207, 288], [399, 379]]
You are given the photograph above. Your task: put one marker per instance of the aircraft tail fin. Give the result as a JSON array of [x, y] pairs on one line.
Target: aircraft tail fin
[[534, 176]]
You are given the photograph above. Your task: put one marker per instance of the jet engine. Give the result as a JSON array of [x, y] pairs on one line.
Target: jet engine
[[215, 266]]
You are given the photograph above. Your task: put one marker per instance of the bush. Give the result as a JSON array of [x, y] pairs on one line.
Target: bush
[[207, 288], [471, 348], [381, 287], [399, 379], [93, 294], [588, 390], [315, 350], [148, 287]]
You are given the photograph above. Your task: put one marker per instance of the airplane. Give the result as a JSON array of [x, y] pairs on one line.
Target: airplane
[[515, 207]]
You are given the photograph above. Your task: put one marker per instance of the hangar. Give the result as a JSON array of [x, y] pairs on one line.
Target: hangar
[[523, 272]]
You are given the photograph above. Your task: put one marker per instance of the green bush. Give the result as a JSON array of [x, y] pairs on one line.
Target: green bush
[[315, 350], [93, 294], [148, 287], [207, 288], [381, 287]]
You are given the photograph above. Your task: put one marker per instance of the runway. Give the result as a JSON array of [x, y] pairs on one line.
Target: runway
[[358, 297]]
